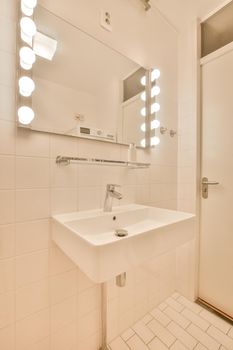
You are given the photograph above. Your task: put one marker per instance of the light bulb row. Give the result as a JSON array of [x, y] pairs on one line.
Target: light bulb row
[[154, 141], [154, 108], [27, 58], [155, 74]]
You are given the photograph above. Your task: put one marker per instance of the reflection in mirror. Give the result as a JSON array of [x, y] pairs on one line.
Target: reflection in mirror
[[81, 87]]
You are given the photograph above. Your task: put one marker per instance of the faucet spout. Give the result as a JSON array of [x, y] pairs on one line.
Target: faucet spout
[[117, 195], [110, 194]]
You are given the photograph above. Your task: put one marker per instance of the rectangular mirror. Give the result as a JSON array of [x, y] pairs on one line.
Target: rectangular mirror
[[87, 89]]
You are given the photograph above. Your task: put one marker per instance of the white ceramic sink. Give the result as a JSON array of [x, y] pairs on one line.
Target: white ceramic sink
[[89, 239]]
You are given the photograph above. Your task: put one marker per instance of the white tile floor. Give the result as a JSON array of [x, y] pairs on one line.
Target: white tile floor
[[177, 324]]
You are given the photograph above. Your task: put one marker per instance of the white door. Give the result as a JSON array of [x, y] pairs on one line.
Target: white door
[[216, 243]]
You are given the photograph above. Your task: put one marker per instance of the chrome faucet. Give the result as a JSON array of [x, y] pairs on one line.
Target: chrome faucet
[[110, 194]]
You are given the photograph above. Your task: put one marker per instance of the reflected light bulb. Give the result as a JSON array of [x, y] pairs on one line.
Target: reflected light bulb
[[143, 96], [155, 91], [27, 6], [143, 143], [25, 115], [154, 141], [27, 57], [143, 112], [155, 124], [155, 74], [28, 29], [26, 86], [143, 80], [143, 127], [155, 107]]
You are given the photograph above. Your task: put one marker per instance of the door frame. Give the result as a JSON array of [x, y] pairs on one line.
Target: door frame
[[199, 137]]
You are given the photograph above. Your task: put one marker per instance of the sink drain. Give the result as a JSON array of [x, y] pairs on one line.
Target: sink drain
[[121, 233]]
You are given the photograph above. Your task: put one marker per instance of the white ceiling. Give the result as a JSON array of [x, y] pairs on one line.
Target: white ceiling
[[180, 12]]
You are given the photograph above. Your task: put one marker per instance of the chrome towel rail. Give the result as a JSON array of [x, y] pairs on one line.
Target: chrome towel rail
[[63, 160]]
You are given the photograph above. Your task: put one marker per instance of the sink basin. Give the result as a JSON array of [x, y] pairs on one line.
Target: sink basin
[[89, 237]]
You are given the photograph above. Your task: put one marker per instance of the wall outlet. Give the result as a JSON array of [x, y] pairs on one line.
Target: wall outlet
[[106, 20]]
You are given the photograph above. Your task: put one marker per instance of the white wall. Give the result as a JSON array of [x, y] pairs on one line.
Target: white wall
[[46, 303], [187, 257]]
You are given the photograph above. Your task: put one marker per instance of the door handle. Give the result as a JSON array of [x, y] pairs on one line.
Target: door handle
[[205, 186]]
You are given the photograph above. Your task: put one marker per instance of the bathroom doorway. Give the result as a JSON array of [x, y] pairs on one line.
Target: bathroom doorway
[[216, 238]]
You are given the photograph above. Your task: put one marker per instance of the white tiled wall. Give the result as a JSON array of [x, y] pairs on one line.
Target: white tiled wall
[[188, 111], [46, 303], [186, 272]]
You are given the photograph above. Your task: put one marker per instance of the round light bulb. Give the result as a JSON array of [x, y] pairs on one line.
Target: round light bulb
[[155, 91], [27, 6], [143, 96], [143, 143], [143, 127], [143, 112], [143, 80], [155, 74], [155, 107], [28, 29], [26, 86], [154, 141], [27, 57], [25, 115], [155, 124]]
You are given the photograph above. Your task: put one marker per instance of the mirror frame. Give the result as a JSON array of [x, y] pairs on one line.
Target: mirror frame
[[150, 139]]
